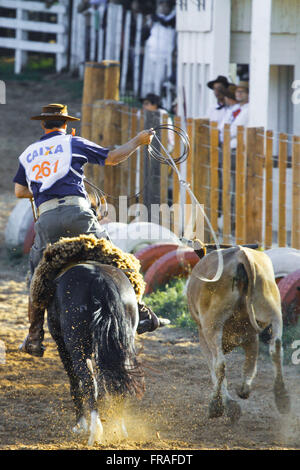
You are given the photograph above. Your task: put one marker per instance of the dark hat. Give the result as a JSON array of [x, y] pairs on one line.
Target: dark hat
[[54, 112], [154, 99], [220, 79], [230, 91]]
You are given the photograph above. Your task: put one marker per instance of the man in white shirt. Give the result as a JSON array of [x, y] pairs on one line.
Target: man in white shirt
[[219, 85], [242, 117], [232, 108]]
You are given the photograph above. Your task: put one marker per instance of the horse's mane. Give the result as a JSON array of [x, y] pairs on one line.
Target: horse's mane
[[59, 255]]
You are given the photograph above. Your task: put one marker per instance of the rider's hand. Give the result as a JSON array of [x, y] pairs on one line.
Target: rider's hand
[[145, 137]]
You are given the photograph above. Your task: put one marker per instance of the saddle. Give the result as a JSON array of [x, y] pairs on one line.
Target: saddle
[[67, 252]]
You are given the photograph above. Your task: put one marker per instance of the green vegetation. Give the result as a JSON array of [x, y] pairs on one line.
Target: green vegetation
[[170, 302], [35, 69]]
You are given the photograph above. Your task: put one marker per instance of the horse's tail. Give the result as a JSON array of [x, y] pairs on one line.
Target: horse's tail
[[113, 339]]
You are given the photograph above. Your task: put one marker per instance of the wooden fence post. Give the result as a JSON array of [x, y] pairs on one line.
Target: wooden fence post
[[269, 191], [214, 175], [254, 184], [296, 193], [164, 169], [240, 181], [282, 161], [226, 196], [201, 167]]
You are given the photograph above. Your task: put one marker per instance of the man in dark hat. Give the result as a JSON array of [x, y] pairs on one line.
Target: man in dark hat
[[219, 85], [51, 172]]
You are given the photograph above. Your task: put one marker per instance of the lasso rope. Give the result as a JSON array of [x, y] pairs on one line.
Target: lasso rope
[[168, 160]]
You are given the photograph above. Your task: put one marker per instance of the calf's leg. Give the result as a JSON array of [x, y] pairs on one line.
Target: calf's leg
[[249, 369]]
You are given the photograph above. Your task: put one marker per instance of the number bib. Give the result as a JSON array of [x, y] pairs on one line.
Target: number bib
[[47, 161]]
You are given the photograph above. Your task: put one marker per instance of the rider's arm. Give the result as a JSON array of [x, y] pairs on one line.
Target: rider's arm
[[121, 153], [22, 191]]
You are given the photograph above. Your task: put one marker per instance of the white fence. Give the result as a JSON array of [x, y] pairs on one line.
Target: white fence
[[22, 26], [112, 33]]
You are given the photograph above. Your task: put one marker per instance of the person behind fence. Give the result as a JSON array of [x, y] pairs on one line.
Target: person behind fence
[[152, 102], [217, 111], [51, 172], [159, 46], [241, 115], [232, 109]]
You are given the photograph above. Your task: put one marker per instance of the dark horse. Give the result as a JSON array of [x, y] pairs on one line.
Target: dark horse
[[93, 319]]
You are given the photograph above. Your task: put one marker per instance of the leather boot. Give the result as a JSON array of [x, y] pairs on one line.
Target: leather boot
[[33, 341], [148, 320]]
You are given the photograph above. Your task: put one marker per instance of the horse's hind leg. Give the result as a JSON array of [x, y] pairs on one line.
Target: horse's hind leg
[[75, 390], [84, 373]]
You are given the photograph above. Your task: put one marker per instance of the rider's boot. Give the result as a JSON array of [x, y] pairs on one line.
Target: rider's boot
[[33, 341], [148, 320]]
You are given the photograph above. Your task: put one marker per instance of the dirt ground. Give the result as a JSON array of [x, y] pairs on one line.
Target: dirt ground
[[35, 406]]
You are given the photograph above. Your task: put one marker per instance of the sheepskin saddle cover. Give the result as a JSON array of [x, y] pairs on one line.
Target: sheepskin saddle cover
[[67, 251]]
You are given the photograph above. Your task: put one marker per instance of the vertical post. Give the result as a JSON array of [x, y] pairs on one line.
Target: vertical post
[[164, 169], [62, 39], [201, 165], [214, 175], [93, 90], [137, 55], [18, 50], [226, 199], [296, 193], [151, 191], [260, 62], [133, 158], [141, 163], [269, 191], [126, 47], [240, 181], [176, 199], [125, 133], [254, 184], [282, 161]]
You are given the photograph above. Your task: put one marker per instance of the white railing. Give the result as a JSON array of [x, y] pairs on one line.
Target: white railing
[[105, 33], [22, 26]]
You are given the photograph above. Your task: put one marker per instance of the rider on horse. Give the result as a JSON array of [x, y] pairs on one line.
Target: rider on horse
[[51, 172]]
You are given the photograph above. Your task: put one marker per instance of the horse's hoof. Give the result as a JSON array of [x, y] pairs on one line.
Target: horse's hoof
[[282, 401], [243, 391], [81, 426], [216, 408], [233, 410]]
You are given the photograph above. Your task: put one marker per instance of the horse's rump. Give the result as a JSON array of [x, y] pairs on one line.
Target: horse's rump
[[95, 306]]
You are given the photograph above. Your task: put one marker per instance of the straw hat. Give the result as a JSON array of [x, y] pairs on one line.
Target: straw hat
[[54, 112]]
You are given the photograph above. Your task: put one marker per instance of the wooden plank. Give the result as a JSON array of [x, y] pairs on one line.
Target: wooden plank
[[164, 169], [282, 161], [296, 193], [34, 46], [38, 26], [240, 181], [269, 190], [125, 129], [133, 158], [175, 153], [141, 162], [32, 6], [214, 175], [201, 167], [254, 185], [226, 174]]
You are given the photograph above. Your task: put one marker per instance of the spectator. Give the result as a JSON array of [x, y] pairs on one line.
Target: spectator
[[151, 102], [241, 115], [219, 85], [231, 109], [159, 47]]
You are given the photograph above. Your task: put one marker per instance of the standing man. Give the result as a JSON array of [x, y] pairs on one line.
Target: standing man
[[219, 86], [241, 116], [51, 172]]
